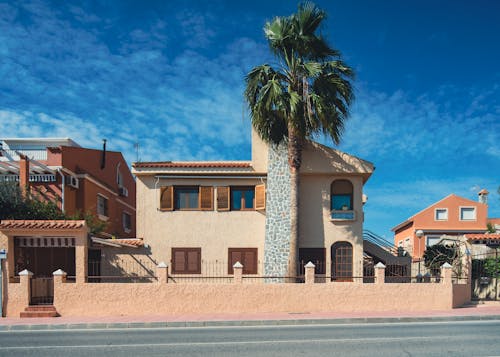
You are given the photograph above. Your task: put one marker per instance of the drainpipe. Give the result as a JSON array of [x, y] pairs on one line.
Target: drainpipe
[[63, 184], [3, 256]]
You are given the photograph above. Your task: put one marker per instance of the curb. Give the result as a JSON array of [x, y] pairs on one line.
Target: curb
[[240, 323]]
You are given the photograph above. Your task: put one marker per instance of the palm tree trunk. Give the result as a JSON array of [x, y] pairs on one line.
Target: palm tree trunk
[[294, 161]]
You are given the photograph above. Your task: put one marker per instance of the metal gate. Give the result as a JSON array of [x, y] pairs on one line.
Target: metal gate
[[42, 291], [485, 275]]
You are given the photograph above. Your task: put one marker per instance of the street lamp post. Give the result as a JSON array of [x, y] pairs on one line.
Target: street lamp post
[[419, 233]]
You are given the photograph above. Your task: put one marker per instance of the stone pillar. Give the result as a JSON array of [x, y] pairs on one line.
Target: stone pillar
[[81, 262], [162, 273], [379, 273], [238, 273], [446, 273], [309, 273], [59, 279], [25, 279]]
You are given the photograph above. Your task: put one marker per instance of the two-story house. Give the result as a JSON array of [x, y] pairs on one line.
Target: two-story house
[[77, 179], [451, 216], [192, 213]]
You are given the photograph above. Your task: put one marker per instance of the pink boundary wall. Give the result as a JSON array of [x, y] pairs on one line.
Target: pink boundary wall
[[159, 298], [114, 299]]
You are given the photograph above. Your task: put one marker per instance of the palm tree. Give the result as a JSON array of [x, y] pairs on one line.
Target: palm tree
[[309, 92]]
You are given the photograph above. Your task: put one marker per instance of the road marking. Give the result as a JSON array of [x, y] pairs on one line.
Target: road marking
[[229, 343]]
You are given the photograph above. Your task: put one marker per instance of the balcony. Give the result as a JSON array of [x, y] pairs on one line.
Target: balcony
[[342, 215]]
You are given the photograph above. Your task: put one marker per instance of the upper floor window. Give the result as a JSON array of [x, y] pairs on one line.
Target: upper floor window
[[119, 176], [341, 202], [467, 213], [186, 198], [102, 206], [441, 214], [242, 198], [341, 195], [127, 222]]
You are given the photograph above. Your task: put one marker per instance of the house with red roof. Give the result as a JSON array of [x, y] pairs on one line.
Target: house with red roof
[[450, 216]]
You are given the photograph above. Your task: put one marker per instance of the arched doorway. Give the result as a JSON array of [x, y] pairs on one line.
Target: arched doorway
[[342, 261]]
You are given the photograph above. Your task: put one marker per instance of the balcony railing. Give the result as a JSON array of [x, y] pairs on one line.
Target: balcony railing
[[33, 178], [343, 215]]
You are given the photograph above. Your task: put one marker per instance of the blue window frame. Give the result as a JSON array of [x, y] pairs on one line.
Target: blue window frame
[[242, 198]]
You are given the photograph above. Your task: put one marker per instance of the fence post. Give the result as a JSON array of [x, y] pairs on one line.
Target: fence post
[[238, 273], [379, 273], [59, 279], [162, 273], [25, 279], [309, 273], [446, 273]]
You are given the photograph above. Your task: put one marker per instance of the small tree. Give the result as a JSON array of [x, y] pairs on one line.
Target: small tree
[[15, 205], [435, 256]]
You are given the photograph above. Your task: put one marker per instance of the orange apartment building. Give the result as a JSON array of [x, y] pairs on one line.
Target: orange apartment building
[[453, 216], [77, 179]]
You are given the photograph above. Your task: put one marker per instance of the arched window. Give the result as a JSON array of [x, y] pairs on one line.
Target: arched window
[[342, 261], [341, 195]]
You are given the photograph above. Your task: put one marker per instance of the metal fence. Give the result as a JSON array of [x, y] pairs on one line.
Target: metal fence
[[485, 275], [220, 272]]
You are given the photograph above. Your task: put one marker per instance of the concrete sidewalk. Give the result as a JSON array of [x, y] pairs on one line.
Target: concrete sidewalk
[[488, 311]]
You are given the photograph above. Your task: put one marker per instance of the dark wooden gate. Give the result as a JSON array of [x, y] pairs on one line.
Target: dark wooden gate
[[42, 291]]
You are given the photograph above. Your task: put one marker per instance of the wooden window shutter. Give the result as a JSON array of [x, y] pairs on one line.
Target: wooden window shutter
[[223, 201], [250, 258], [167, 198], [194, 261], [179, 261], [260, 197], [206, 198]]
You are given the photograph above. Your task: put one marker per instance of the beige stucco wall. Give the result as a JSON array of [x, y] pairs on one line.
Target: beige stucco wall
[[213, 231], [156, 299], [316, 228], [260, 152]]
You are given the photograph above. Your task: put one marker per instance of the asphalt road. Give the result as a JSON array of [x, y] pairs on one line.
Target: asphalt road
[[467, 338]]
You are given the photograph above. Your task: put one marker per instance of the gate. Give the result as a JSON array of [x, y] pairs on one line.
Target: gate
[[485, 275], [42, 291]]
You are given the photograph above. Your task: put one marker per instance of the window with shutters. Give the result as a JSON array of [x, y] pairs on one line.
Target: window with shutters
[[186, 198], [241, 198], [246, 256], [186, 260]]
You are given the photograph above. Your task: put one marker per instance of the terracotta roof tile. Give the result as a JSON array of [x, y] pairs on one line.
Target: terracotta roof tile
[[193, 164], [41, 224], [138, 242], [483, 236]]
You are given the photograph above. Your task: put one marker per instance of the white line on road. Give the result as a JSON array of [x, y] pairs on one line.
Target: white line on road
[[229, 343]]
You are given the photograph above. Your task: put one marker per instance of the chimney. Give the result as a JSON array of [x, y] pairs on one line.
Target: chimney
[[483, 196], [24, 173], [103, 157]]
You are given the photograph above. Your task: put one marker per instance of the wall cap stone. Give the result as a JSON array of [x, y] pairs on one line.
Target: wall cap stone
[[25, 272], [380, 265], [59, 272], [162, 265], [310, 265], [446, 265], [237, 265]]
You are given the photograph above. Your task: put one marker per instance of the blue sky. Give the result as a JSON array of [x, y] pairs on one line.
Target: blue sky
[[169, 75]]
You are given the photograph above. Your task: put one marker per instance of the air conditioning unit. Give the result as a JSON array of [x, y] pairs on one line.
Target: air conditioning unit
[[123, 191], [72, 181]]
